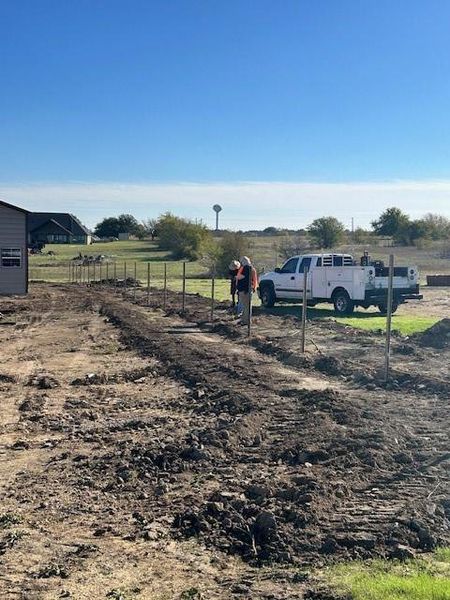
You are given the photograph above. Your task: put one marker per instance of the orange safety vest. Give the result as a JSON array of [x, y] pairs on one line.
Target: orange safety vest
[[254, 275]]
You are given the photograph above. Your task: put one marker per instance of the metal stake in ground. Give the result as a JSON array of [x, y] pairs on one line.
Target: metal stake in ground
[[183, 296], [93, 277], [304, 309], [115, 275], [107, 274], [125, 277], [135, 281], [148, 283], [100, 275], [165, 287], [387, 349], [213, 289], [249, 300], [88, 273], [70, 272]]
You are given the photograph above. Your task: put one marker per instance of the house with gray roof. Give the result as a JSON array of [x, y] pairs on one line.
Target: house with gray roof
[[56, 228]]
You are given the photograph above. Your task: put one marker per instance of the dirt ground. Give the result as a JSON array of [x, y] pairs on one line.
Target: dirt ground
[[161, 456]]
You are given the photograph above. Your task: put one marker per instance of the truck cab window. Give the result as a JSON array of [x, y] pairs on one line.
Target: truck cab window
[[290, 266], [306, 262], [337, 261]]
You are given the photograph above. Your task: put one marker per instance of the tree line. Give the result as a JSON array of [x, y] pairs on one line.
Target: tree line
[[189, 240]]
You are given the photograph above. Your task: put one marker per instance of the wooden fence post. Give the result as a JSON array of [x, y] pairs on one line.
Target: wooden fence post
[[304, 309], [387, 348]]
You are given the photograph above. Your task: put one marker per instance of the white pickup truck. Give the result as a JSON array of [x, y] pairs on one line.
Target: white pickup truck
[[338, 279]]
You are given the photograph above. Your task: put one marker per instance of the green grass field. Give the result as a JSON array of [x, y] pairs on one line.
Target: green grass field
[[130, 255], [426, 578]]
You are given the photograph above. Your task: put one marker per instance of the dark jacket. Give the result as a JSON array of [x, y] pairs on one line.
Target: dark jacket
[[243, 285], [232, 275]]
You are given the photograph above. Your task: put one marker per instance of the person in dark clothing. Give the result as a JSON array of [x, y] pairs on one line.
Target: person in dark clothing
[[233, 269], [247, 282]]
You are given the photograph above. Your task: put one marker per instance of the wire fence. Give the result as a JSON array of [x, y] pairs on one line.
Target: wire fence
[[143, 279]]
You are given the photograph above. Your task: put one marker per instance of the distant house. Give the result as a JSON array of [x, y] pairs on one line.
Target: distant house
[[56, 228], [13, 249]]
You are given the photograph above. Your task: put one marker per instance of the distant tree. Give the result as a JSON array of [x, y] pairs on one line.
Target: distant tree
[[112, 226], [290, 245], [231, 247], [271, 230], [393, 222], [326, 232], [437, 227], [183, 238], [361, 236]]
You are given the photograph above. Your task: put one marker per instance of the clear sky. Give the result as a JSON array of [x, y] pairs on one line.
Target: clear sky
[[109, 97]]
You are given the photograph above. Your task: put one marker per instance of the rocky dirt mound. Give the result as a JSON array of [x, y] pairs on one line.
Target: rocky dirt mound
[[437, 336]]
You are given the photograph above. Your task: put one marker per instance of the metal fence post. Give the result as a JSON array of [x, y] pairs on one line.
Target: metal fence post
[[184, 288], [135, 280], [100, 267], [107, 274], [125, 276], [88, 273], [165, 287], [250, 291], [304, 309], [387, 349], [148, 283], [115, 275], [213, 289], [70, 272], [93, 268]]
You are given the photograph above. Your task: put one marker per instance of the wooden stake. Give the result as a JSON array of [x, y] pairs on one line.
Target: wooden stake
[[387, 348]]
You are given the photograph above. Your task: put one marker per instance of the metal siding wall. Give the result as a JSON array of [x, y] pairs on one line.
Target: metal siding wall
[[13, 234]]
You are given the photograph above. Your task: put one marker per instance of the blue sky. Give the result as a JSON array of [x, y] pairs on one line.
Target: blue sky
[[134, 99]]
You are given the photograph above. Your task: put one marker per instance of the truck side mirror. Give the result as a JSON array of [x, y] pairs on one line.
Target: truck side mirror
[[277, 270]]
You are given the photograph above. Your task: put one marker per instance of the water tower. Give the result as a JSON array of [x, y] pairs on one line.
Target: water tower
[[217, 208]]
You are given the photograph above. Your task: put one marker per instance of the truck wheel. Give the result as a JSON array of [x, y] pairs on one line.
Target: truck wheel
[[382, 307], [268, 297], [343, 305]]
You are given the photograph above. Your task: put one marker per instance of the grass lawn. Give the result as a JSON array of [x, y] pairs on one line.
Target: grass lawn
[[426, 578], [405, 324]]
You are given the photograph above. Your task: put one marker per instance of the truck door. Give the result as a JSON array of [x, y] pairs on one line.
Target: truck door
[[286, 279], [305, 264]]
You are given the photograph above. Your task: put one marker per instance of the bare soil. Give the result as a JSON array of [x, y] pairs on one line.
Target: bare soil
[[159, 455]]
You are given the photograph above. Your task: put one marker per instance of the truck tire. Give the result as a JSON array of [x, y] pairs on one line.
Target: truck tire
[[268, 297], [382, 307], [343, 305]]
